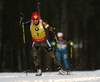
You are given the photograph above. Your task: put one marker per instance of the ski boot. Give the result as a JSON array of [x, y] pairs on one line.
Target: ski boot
[[61, 71], [39, 72], [68, 72]]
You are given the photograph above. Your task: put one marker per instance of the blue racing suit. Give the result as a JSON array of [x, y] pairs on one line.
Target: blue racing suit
[[61, 51]]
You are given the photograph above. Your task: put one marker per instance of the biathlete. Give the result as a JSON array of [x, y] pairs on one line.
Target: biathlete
[[61, 50], [37, 28]]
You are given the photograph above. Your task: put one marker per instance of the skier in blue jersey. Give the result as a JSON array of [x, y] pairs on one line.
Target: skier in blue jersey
[[61, 50]]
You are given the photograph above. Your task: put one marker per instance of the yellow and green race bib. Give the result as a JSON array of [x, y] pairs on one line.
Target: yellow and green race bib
[[38, 33]]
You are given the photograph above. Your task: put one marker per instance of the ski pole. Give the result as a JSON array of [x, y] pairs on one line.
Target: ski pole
[[57, 42], [21, 22], [23, 29], [71, 48], [71, 52], [23, 32], [38, 4]]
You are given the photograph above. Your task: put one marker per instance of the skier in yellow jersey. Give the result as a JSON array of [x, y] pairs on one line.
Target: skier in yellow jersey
[[37, 28]]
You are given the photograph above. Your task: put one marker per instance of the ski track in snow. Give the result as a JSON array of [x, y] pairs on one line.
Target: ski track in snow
[[76, 76]]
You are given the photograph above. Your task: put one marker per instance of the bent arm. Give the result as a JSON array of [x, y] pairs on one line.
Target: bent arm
[[25, 23], [47, 26]]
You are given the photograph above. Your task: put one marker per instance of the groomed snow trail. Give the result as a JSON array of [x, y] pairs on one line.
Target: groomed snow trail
[[76, 76]]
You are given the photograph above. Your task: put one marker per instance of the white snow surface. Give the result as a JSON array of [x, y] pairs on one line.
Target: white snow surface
[[75, 76]]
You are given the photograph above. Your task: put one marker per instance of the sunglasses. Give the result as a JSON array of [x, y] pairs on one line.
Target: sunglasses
[[35, 19]]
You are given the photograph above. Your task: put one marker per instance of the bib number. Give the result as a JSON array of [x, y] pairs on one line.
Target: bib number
[[37, 34]]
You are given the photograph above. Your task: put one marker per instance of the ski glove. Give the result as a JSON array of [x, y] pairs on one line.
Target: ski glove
[[21, 15]]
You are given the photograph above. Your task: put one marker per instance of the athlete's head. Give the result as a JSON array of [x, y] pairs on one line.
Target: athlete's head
[[60, 35], [35, 17]]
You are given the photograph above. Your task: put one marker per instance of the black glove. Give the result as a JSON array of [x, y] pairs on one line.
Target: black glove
[[21, 15], [54, 30]]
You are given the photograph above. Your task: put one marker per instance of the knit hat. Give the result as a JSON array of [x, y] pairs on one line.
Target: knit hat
[[59, 34]]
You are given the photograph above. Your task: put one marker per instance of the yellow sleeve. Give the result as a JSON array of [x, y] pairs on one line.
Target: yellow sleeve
[[46, 26]]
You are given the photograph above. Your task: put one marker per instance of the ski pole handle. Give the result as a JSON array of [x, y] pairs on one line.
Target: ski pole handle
[[21, 18]]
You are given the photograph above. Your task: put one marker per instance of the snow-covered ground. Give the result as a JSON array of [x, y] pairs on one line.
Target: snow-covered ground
[[76, 76]]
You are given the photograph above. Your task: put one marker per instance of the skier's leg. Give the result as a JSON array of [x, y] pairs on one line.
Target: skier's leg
[[35, 57], [36, 61], [65, 58], [58, 55], [47, 47], [51, 53]]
